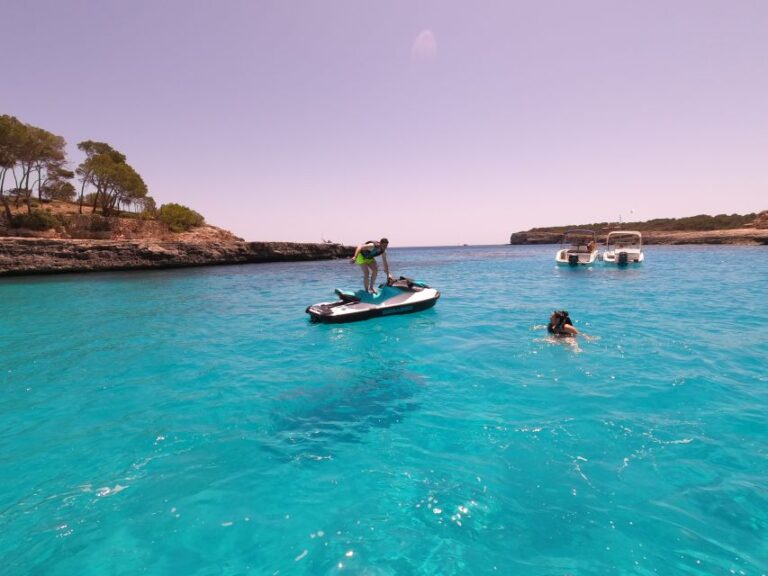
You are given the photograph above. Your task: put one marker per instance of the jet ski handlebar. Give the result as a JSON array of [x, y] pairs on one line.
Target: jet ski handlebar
[[407, 283]]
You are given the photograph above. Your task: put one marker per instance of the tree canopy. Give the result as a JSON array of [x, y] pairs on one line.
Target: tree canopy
[[34, 157], [115, 181]]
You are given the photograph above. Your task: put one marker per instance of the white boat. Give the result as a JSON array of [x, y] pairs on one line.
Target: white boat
[[577, 247], [623, 247]]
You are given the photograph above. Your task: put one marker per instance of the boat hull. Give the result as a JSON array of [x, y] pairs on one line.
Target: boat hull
[[623, 257], [568, 257]]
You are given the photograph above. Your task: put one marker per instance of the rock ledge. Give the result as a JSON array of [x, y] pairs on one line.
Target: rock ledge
[[21, 256], [742, 236]]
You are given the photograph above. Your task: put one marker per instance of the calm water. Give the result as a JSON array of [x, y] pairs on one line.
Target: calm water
[[194, 422]]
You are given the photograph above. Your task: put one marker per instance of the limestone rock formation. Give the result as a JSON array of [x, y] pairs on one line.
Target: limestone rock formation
[[743, 236], [91, 242], [46, 256]]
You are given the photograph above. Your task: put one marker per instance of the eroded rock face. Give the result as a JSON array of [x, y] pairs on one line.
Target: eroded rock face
[[762, 220], [535, 238], [47, 256], [744, 236]]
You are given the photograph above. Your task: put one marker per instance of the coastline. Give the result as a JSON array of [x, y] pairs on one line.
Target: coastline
[[21, 256], [737, 237], [34, 255]]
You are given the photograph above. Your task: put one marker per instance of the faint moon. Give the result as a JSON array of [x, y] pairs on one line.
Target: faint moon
[[424, 47]]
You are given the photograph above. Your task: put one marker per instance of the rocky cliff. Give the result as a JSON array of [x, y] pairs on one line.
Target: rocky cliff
[[47, 255], [741, 236], [751, 229]]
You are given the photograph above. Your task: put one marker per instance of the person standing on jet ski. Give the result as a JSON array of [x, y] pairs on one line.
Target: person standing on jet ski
[[365, 257]]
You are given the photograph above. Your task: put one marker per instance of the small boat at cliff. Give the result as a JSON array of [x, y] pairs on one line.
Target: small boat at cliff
[[401, 296], [578, 247], [623, 247]]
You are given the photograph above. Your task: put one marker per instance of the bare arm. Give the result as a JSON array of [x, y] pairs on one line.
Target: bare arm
[[386, 264]]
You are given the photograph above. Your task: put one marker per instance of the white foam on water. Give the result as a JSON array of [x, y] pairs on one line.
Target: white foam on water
[[107, 491]]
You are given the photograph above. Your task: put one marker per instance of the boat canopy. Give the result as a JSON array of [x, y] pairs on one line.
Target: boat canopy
[[624, 238]]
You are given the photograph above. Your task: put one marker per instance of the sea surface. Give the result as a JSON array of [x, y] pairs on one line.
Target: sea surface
[[194, 422]]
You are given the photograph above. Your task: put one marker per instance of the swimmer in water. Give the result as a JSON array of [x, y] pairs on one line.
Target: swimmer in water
[[560, 324]]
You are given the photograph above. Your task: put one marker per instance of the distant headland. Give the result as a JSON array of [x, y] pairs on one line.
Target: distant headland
[[749, 229], [47, 225]]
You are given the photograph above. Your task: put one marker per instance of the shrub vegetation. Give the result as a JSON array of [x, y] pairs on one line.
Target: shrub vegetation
[[702, 222], [100, 224], [179, 218], [35, 221]]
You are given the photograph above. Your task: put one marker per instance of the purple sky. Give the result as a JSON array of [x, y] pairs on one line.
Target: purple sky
[[429, 122]]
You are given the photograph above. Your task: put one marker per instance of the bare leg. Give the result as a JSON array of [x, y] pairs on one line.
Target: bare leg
[[374, 272], [366, 274]]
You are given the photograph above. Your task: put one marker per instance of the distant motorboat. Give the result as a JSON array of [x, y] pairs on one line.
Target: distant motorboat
[[623, 247], [578, 247]]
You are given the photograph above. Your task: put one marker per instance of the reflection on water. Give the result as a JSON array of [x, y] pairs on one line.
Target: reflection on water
[[311, 420]]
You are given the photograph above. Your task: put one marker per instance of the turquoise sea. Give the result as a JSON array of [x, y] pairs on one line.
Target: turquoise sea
[[194, 422]]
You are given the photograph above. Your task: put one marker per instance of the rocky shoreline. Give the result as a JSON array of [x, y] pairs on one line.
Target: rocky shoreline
[[27, 256], [741, 237], [211, 247]]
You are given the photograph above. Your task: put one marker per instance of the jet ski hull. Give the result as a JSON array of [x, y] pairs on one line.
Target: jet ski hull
[[390, 302]]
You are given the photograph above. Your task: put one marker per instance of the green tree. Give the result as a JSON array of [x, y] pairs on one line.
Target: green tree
[[148, 207], [57, 185], [38, 151], [88, 168], [11, 131], [30, 150], [115, 181], [50, 159], [59, 190]]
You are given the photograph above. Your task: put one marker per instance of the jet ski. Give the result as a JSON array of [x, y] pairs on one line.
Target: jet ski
[[400, 296]]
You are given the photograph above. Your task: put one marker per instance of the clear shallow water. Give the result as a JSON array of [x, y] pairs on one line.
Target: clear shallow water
[[195, 422]]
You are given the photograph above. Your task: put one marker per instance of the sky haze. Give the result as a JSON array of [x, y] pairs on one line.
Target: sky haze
[[432, 123]]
